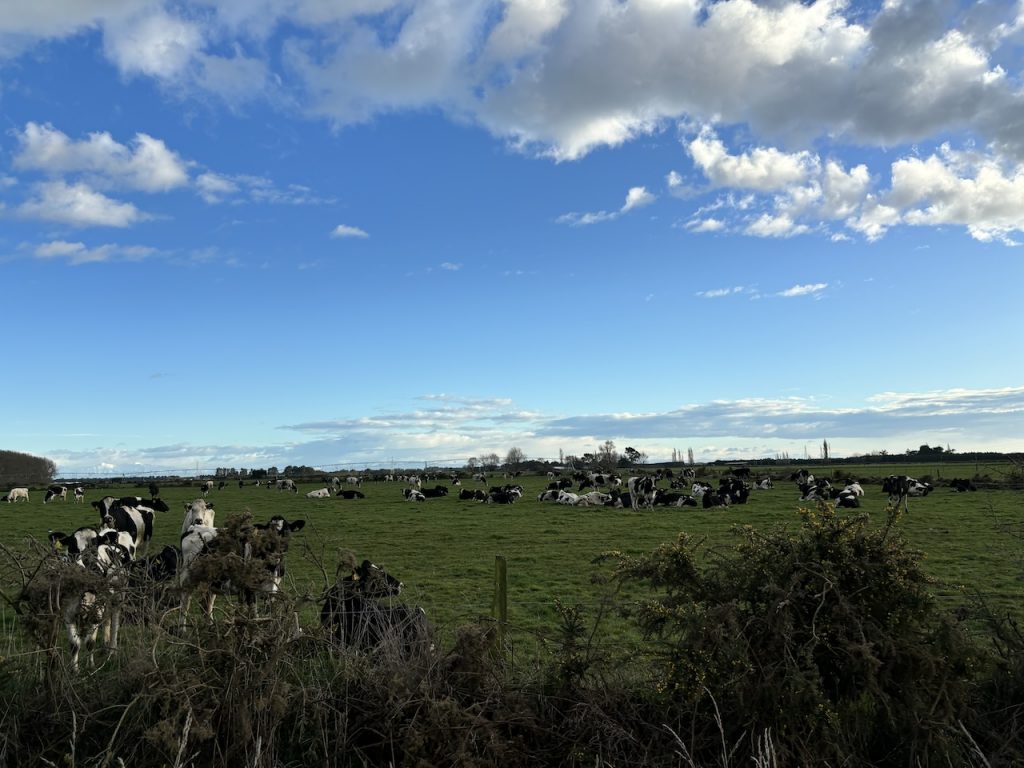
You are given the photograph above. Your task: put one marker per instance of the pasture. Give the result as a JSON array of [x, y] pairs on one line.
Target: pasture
[[444, 549]]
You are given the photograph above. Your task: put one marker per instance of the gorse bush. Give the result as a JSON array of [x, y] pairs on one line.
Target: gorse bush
[[826, 635]]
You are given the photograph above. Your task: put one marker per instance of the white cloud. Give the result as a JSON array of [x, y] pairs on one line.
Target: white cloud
[[636, 197], [77, 253], [705, 225], [763, 168], [782, 225], [152, 43], [215, 187], [717, 293], [79, 206], [809, 289], [344, 230], [146, 165], [449, 266]]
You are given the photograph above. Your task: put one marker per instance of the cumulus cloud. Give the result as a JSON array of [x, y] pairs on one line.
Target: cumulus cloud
[[345, 230], [147, 164], [79, 206]]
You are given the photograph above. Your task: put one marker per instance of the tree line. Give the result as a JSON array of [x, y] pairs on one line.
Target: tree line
[[24, 469]]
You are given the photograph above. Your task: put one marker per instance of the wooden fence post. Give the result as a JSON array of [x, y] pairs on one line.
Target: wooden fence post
[[499, 609]]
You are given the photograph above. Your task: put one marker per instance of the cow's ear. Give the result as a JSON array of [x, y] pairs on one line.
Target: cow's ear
[[298, 525]]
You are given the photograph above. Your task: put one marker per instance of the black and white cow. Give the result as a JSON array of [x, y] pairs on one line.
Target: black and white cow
[[131, 515], [764, 484], [899, 487], [642, 491], [699, 488], [286, 484], [56, 492], [355, 614], [560, 484], [436, 492], [88, 606], [411, 494], [736, 490], [594, 499], [801, 477], [847, 499], [320, 493], [350, 493], [353, 480], [506, 494], [819, 490], [547, 495], [206, 487], [472, 495], [154, 490], [79, 494]]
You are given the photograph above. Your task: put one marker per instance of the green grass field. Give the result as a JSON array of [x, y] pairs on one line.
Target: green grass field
[[444, 549]]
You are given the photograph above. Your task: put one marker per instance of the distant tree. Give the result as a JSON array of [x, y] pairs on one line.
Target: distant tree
[[514, 457], [607, 456], [490, 461], [472, 463], [588, 458], [25, 469], [689, 456], [633, 456]]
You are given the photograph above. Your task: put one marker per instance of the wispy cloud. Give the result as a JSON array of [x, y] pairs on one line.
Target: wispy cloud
[[79, 253], [636, 197], [810, 289]]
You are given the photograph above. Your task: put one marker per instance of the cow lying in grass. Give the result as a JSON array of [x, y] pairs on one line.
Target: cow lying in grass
[[356, 614]]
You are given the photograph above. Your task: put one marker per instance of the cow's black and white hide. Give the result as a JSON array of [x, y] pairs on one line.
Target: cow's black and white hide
[[154, 490], [357, 613], [594, 499], [819, 490], [642, 491], [711, 499], [847, 499], [350, 493], [133, 516], [900, 487], [319, 493], [206, 487], [802, 476], [737, 491], [699, 488], [675, 499], [56, 492], [436, 492], [502, 496], [472, 495], [549, 495], [689, 473], [93, 572], [560, 485], [764, 484], [411, 494], [79, 495]]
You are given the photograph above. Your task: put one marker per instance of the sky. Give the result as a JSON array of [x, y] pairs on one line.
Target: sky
[[253, 233]]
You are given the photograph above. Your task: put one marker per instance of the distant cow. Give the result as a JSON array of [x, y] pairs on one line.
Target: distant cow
[[642, 491], [353, 480], [802, 476], [56, 492], [319, 493], [16, 494], [154, 490], [764, 484], [435, 492], [411, 494], [79, 494], [899, 487], [350, 493], [286, 484], [470, 495]]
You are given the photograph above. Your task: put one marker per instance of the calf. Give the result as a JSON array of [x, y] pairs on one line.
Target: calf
[[354, 614]]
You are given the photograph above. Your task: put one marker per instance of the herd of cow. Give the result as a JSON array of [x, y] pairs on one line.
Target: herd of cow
[[113, 556], [355, 611]]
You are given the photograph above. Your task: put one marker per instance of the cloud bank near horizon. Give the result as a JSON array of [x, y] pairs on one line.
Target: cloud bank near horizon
[[453, 428]]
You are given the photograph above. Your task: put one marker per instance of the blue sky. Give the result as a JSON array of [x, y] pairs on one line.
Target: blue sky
[[252, 233]]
